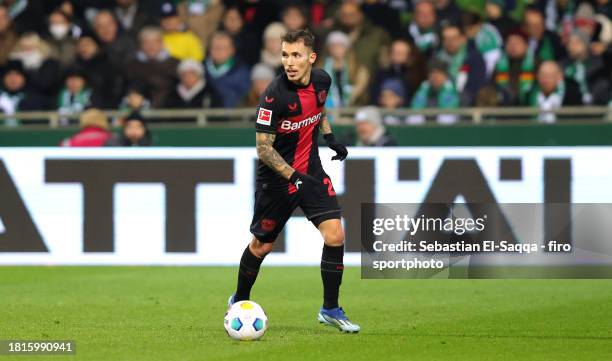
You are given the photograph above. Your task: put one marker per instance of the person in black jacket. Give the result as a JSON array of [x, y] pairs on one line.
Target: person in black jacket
[[134, 133], [192, 91]]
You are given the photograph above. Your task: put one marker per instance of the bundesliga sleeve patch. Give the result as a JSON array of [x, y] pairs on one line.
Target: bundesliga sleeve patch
[[264, 116]]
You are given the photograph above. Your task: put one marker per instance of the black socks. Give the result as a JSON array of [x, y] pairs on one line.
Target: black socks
[[331, 273], [247, 274]]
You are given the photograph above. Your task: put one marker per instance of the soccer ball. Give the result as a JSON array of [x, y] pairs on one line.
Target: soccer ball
[[245, 320]]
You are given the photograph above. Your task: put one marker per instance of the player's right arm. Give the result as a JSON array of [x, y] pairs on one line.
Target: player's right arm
[[270, 157]]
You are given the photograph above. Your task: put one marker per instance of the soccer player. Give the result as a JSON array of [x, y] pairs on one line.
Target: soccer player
[[289, 174]]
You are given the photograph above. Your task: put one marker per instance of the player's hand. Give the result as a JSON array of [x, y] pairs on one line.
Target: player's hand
[[302, 181], [338, 147]]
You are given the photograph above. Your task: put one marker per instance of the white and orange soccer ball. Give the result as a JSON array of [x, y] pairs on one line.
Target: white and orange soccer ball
[[245, 321]]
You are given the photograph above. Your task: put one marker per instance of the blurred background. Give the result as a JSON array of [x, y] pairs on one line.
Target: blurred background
[[172, 72]]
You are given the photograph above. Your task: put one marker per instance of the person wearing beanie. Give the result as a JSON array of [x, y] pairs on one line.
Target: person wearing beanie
[[15, 95], [134, 133], [392, 96], [75, 96], [94, 130], [586, 70], [192, 91], [261, 76], [103, 77], [438, 91], [370, 129]]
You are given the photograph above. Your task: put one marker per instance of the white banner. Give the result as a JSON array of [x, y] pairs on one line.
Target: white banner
[[193, 206]]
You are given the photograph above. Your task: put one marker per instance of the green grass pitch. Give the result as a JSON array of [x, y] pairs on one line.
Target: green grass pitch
[[176, 313]]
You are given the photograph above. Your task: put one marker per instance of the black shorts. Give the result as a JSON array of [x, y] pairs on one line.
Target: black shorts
[[273, 209]]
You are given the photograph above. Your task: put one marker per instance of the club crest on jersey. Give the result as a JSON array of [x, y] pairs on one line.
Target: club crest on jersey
[[264, 116], [322, 96]]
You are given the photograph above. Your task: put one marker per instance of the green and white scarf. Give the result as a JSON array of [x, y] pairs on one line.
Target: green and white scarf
[[447, 96], [547, 103], [217, 71], [334, 100], [455, 66], [9, 105], [526, 77], [69, 103], [577, 71]]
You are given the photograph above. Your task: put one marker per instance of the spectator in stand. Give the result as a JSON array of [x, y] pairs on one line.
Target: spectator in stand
[[552, 91], [437, 92], [42, 71], [94, 130], [202, 17], [272, 46], [104, 79], [27, 15], [586, 70], [424, 27], [248, 43], [152, 67], [261, 76], [225, 71], [119, 46], [179, 42], [486, 37], [406, 64], [370, 129], [496, 15], [515, 71], [383, 15], [134, 133], [135, 100], [596, 27], [14, 93], [349, 78], [392, 96], [448, 10], [75, 96], [466, 67], [132, 17], [62, 37], [192, 91], [8, 37], [363, 34], [295, 17], [545, 44]]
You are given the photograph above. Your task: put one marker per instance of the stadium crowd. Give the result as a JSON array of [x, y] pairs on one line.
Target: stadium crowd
[[70, 55]]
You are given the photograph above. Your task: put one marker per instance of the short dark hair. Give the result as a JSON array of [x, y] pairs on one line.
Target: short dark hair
[[303, 35]]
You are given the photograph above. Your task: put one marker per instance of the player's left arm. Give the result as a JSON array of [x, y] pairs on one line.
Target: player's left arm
[[330, 139]]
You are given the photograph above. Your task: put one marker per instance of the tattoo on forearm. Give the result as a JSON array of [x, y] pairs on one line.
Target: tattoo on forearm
[[324, 125], [269, 155]]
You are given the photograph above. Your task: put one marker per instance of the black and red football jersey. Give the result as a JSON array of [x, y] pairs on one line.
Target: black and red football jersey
[[292, 112]]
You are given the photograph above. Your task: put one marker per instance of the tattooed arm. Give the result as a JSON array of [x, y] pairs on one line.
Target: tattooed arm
[[269, 156], [324, 125]]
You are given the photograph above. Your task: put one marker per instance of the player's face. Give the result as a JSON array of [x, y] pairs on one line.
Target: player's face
[[297, 60]]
